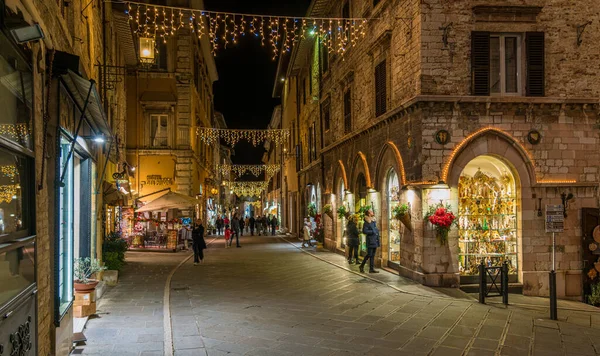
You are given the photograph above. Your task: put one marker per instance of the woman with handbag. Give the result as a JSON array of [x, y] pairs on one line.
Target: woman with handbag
[[352, 240]]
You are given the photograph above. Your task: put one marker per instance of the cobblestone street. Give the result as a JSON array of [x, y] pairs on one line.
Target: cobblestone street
[[269, 298]]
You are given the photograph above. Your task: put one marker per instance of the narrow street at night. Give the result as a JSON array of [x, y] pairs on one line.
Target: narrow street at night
[[270, 298]]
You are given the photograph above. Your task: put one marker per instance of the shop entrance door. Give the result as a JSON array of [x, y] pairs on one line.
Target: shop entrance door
[[590, 219]]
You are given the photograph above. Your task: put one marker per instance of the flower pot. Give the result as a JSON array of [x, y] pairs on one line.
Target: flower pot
[[442, 235], [405, 219], [85, 287], [111, 277]]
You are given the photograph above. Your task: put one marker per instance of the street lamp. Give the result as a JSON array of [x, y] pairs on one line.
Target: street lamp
[[146, 50]]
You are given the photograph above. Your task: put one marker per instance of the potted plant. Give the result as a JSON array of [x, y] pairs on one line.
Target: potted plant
[[113, 255], [442, 218], [362, 211], [327, 209], [83, 269], [343, 212], [312, 210], [401, 212], [319, 232]]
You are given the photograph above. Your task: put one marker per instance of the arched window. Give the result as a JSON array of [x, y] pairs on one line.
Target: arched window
[[393, 200]]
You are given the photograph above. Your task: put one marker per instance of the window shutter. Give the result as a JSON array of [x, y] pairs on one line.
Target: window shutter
[[535, 63], [480, 63], [380, 88]]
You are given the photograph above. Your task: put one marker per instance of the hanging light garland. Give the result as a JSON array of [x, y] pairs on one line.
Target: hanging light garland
[[9, 171], [247, 188], [255, 204], [255, 169], [8, 192], [210, 135], [224, 29]]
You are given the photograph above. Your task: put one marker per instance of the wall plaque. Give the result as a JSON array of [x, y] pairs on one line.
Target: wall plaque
[[534, 137], [442, 137]]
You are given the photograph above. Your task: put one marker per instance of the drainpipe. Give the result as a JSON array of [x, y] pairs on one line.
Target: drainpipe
[[321, 129]]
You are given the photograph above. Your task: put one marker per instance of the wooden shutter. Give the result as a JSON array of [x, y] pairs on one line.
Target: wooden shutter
[[380, 88], [480, 63], [534, 41], [348, 111], [326, 117]]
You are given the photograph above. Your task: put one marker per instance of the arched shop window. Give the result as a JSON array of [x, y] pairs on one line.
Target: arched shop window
[[393, 195], [341, 223], [360, 201], [487, 216]]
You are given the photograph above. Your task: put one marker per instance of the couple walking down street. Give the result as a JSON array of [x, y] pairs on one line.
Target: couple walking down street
[[233, 231], [372, 239]]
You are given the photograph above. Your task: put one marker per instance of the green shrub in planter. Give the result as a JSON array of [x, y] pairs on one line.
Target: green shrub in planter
[[113, 251]]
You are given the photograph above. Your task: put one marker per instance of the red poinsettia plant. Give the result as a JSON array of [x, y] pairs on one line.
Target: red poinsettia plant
[[442, 218]]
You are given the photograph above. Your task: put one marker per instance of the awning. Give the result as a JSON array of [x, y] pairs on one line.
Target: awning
[[111, 194], [171, 200], [78, 87]]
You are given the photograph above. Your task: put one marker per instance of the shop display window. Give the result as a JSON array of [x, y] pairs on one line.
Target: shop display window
[[341, 221], [65, 241], [393, 190], [487, 216]]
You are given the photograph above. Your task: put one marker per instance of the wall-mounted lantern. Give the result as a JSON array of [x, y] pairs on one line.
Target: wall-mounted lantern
[[147, 50]]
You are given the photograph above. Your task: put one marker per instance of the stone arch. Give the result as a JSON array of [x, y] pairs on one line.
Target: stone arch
[[361, 166], [340, 172], [389, 157], [491, 141]]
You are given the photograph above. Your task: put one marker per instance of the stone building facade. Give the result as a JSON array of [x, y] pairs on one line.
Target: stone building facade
[[62, 201], [439, 97], [169, 100]]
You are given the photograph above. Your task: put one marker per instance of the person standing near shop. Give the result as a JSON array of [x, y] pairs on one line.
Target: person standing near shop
[[352, 239], [306, 234], [251, 222], [219, 225], [235, 227], [226, 222], [198, 243], [274, 224], [372, 239], [242, 226]]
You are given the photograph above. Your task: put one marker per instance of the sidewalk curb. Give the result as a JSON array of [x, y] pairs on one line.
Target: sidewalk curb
[[167, 323]]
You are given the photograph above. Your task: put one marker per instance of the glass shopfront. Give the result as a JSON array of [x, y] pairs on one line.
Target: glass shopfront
[[360, 202], [394, 225], [341, 222], [487, 216], [17, 192]]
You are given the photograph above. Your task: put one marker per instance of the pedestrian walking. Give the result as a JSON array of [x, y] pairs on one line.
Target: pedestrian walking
[[247, 224], [274, 224], [219, 225], [226, 222], [235, 227], [352, 240], [227, 237], [306, 234], [264, 224], [198, 243], [372, 239], [242, 225], [251, 222]]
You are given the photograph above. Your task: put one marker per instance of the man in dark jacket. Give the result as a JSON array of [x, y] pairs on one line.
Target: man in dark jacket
[[198, 243], [251, 222], [235, 227], [352, 239], [372, 239], [274, 224]]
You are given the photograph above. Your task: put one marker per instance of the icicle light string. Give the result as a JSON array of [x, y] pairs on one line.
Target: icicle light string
[[256, 170], [225, 28], [247, 188], [209, 136]]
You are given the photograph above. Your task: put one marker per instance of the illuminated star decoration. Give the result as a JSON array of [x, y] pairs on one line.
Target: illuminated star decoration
[[224, 29]]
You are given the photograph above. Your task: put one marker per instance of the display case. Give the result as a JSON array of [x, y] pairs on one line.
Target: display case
[[487, 222]]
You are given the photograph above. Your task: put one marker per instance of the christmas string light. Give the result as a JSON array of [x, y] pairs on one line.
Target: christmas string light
[[8, 192], [14, 130], [225, 28], [9, 171], [210, 135], [247, 188], [255, 169]]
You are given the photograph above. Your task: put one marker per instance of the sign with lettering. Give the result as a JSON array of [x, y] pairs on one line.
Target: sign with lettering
[[157, 179], [555, 218]]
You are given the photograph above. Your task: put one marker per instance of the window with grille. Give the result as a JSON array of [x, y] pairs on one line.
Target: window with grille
[[348, 110], [159, 130], [496, 64], [380, 88]]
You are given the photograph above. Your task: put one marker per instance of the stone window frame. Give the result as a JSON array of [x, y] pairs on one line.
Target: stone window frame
[[168, 110], [520, 63], [380, 51]]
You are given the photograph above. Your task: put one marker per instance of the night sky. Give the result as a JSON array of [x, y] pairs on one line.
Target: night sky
[[244, 90]]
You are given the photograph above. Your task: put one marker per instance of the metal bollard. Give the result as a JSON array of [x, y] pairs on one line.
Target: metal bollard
[[505, 283], [482, 283]]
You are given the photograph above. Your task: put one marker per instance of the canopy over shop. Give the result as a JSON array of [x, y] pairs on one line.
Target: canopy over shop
[[164, 223]]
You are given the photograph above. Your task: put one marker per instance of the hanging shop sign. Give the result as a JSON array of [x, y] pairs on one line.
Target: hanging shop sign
[[555, 218], [223, 29], [157, 179]]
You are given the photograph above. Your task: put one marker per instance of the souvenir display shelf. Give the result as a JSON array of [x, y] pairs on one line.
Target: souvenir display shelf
[[394, 226], [487, 222]]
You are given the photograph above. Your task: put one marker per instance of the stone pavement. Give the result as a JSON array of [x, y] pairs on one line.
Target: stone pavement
[[269, 298]]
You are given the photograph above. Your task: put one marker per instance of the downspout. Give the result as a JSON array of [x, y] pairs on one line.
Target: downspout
[[321, 129], [299, 159]]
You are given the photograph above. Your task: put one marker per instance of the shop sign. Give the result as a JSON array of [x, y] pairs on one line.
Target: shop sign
[[157, 179], [555, 218]]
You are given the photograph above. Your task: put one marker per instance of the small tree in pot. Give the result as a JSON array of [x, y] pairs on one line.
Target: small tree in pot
[[83, 269]]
